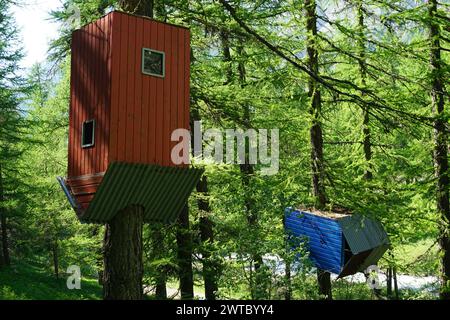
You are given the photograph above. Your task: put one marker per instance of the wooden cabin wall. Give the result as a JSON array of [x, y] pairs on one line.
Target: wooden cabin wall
[[90, 96], [146, 109]]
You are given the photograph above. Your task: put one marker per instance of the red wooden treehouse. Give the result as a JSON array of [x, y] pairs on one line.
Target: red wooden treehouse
[[129, 91]]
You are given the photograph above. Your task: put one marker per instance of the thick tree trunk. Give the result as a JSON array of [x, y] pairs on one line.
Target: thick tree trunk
[[5, 259], [316, 136], [207, 237], [139, 7], [440, 148], [184, 243], [122, 277]]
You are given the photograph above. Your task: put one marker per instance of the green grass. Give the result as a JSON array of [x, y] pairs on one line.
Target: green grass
[[24, 281], [419, 258]]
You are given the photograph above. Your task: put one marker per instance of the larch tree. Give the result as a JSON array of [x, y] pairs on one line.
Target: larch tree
[[12, 122], [316, 135], [440, 155]]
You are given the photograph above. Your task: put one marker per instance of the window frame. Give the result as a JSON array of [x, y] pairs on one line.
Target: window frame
[[163, 63], [90, 145]]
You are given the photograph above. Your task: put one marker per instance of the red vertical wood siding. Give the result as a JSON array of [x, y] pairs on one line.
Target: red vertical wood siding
[[135, 114], [90, 96], [147, 108]]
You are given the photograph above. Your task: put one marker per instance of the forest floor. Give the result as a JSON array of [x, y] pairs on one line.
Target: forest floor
[[23, 281], [33, 281]]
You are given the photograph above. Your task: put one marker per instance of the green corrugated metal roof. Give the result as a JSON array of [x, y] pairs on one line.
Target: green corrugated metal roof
[[374, 256], [362, 233], [162, 191]]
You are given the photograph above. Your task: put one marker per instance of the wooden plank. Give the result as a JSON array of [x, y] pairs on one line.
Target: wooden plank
[[160, 93], [167, 98], [84, 90], [94, 107], [138, 138], [144, 154], [73, 102], [102, 88], [175, 101], [153, 90], [85, 180], [130, 79], [115, 62], [180, 79], [123, 104], [85, 190], [106, 97], [187, 68]]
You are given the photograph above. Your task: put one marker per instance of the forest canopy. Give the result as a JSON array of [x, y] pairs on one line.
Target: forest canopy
[[357, 90]]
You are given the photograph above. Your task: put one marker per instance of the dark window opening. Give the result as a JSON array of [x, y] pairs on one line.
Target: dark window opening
[[153, 62], [87, 135]]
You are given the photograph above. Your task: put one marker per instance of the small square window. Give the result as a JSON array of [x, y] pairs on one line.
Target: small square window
[[153, 62], [87, 134]]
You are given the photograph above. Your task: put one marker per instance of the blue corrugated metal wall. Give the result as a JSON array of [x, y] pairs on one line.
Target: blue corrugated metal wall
[[325, 238]]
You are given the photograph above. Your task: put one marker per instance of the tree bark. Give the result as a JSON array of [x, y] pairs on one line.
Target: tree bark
[[394, 275], [287, 263], [367, 143], [122, 277], [247, 170], [440, 147], [158, 249], [5, 259], [389, 282], [184, 244], [207, 237], [324, 280], [316, 136], [139, 7]]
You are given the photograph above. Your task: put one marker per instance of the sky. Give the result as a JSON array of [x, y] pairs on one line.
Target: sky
[[36, 30]]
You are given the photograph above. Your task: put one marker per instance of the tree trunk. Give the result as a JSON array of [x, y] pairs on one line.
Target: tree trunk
[[440, 148], [184, 243], [159, 251], [247, 171], [394, 275], [55, 258], [288, 291], [367, 143], [316, 136], [123, 267], [389, 283], [139, 7], [207, 237], [4, 229], [324, 280]]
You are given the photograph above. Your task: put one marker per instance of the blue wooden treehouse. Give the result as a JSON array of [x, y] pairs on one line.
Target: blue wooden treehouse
[[343, 244]]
